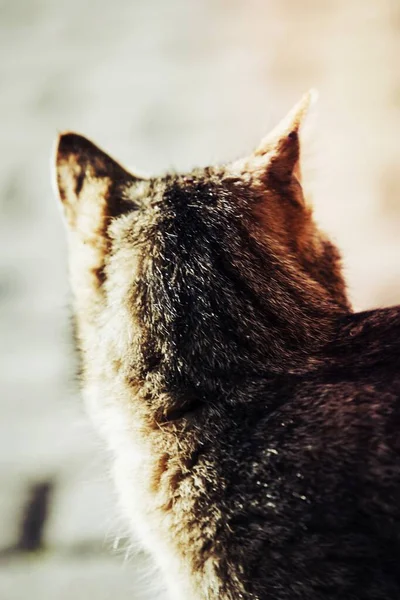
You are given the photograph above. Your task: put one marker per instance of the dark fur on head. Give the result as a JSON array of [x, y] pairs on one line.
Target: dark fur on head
[[236, 388], [215, 292]]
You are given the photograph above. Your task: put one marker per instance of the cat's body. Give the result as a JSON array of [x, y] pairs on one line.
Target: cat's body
[[252, 416]]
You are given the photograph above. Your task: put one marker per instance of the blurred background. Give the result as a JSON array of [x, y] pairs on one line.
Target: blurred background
[[160, 84]]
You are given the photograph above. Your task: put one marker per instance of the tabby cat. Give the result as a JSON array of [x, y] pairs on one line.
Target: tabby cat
[[253, 417]]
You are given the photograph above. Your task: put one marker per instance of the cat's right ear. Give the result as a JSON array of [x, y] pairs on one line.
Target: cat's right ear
[[89, 183], [276, 161]]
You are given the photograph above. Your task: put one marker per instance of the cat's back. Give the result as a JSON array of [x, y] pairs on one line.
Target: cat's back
[[312, 475], [350, 403], [367, 343]]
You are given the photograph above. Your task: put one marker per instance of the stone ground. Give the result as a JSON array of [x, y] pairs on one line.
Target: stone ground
[[161, 85]]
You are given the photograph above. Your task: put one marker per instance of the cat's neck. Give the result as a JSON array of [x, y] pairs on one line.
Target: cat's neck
[[230, 331]]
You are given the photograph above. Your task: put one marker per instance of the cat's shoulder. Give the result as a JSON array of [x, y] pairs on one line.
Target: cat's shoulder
[[379, 328], [365, 352]]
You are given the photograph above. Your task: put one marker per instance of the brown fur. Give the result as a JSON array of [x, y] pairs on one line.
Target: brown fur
[[206, 304]]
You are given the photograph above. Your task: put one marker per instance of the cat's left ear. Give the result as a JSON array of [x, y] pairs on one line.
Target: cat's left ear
[[88, 182], [277, 158]]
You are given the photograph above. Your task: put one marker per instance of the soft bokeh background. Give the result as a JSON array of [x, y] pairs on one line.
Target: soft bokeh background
[[161, 84]]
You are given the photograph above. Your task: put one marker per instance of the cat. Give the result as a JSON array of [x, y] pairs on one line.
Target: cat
[[252, 416]]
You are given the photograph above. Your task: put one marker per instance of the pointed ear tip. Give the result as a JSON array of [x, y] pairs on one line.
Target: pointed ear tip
[[309, 99], [301, 110], [69, 142]]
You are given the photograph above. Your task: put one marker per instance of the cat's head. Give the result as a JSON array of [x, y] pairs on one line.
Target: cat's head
[[222, 267]]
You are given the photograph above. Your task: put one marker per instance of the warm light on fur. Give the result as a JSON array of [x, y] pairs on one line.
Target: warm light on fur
[[242, 399]]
